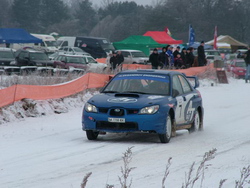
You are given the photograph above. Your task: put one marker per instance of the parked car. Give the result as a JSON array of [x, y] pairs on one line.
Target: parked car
[[238, 68], [95, 46], [211, 55], [67, 61], [152, 101], [133, 57], [88, 63], [94, 66], [73, 50], [7, 55], [31, 57]]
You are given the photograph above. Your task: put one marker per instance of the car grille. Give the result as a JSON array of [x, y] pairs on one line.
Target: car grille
[[118, 111], [117, 126]]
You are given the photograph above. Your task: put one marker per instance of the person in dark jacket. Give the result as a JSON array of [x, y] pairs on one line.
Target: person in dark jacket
[[179, 63], [190, 57], [177, 51], [163, 58], [154, 59], [201, 54], [184, 55], [247, 60], [114, 61], [120, 57]]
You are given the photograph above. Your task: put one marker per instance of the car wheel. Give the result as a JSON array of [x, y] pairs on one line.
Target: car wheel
[[92, 135], [196, 125], [165, 138]]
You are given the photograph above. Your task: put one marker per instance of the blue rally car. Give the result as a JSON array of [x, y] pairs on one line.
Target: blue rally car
[[153, 101]]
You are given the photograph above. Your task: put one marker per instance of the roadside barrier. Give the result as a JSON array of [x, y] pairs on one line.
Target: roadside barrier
[[36, 92], [90, 80]]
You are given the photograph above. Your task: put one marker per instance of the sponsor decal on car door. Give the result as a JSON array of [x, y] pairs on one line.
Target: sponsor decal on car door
[[184, 109]]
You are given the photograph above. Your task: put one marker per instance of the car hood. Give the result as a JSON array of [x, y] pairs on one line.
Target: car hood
[[128, 100], [239, 68]]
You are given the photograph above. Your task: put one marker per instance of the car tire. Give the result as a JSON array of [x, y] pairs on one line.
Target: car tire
[[197, 124], [165, 138], [92, 135]]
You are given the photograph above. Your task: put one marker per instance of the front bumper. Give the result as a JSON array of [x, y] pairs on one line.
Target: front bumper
[[133, 123]]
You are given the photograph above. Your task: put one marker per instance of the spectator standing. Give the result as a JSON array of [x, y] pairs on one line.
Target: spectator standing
[[201, 54], [163, 58], [120, 57], [190, 57], [184, 55], [177, 51], [154, 59], [171, 56], [247, 60], [114, 61]]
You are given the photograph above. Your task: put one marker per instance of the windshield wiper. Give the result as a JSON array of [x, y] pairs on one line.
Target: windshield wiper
[[110, 92], [134, 92]]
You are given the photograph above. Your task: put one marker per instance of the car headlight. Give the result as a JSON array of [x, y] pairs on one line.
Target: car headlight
[[149, 109], [90, 108]]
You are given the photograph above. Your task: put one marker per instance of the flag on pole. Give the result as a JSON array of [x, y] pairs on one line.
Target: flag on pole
[[167, 31], [215, 38], [191, 38]]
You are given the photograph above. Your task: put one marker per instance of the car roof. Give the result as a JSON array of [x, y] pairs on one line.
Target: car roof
[[75, 55], [6, 49], [150, 71], [130, 50]]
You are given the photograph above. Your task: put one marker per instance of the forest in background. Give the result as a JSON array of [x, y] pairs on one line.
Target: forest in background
[[117, 20]]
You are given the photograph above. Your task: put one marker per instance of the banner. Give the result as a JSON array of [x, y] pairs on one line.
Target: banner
[[191, 38], [215, 38]]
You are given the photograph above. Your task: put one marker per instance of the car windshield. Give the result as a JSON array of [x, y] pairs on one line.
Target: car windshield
[[138, 54], [38, 56], [144, 84], [79, 60], [106, 45], [51, 43], [240, 64], [6, 55]]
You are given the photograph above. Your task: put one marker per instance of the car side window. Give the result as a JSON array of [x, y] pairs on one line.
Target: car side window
[[125, 54], [177, 88], [65, 43], [185, 85], [23, 55], [91, 60]]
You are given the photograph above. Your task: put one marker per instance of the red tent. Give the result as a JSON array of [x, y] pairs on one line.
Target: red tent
[[162, 37]]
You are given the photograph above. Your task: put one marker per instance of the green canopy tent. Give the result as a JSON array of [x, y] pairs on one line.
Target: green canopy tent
[[138, 42]]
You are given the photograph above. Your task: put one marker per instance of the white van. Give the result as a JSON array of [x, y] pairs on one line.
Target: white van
[[48, 45]]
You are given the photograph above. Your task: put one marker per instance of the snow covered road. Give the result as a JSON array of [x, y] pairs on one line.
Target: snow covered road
[[53, 151]]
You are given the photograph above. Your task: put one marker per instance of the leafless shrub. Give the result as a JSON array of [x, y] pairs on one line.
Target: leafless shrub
[[189, 180], [125, 170], [244, 178], [38, 78], [166, 172], [85, 180], [221, 182]]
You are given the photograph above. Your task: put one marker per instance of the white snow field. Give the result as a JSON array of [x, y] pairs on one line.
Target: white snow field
[[53, 152]]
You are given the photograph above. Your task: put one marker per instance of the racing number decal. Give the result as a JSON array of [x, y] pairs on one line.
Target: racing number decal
[[184, 110]]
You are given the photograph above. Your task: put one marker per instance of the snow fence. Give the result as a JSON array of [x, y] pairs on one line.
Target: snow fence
[[90, 80]]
